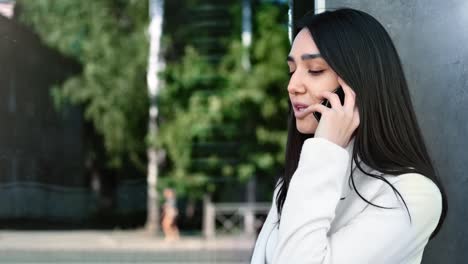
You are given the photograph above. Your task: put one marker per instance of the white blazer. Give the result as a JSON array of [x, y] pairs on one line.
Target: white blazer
[[317, 227]]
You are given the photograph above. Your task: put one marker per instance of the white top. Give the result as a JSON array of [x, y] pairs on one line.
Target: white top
[[317, 227]]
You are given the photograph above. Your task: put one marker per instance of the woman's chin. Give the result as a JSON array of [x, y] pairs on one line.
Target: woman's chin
[[306, 127]]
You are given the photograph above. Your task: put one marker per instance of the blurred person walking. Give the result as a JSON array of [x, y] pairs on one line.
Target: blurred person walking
[[169, 216]]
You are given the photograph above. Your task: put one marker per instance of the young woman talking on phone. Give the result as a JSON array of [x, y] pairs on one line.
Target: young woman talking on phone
[[359, 186]]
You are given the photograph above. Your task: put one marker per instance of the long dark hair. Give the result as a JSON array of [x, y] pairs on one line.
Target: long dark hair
[[388, 139]]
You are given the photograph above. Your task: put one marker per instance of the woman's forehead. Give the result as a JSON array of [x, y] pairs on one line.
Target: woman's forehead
[[303, 44]]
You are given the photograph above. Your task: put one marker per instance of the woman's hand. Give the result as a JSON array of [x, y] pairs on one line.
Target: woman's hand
[[338, 123]]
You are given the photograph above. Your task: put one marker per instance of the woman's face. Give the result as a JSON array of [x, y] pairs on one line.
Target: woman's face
[[310, 76]]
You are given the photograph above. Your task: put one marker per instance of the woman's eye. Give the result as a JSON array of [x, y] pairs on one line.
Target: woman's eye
[[316, 72], [310, 71]]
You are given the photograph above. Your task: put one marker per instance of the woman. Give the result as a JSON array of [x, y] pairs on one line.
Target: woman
[[170, 213], [359, 186]]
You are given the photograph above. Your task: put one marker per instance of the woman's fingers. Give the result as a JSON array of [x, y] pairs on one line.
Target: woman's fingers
[[356, 121], [333, 99], [340, 121], [317, 108]]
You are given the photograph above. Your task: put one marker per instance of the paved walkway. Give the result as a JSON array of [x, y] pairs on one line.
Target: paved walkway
[[118, 247]]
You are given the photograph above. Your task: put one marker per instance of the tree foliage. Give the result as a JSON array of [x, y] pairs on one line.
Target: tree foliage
[[217, 121], [222, 121], [108, 37]]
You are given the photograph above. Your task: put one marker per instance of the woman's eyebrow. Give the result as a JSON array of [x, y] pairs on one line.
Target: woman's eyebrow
[[306, 57], [311, 56]]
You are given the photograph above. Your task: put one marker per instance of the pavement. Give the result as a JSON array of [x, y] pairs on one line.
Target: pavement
[[118, 246]]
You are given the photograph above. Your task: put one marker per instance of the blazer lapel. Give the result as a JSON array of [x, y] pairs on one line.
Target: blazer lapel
[[259, 254]]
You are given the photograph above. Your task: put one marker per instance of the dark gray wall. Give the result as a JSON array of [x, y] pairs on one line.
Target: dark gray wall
[[41, 154], [432, 39]]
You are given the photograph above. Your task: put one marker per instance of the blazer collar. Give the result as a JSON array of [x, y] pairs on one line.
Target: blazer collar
[[258, 256]]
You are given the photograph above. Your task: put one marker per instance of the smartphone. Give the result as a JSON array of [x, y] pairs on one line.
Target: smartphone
[[339, 91]]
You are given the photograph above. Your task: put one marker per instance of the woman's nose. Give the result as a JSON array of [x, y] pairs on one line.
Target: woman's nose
[[295, 85]]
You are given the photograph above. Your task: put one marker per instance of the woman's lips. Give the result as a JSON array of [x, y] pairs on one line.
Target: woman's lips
[[299, 110]]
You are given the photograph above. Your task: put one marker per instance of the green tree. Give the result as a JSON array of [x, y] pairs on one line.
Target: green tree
[[221, 121], [217, 120], [108, 38]]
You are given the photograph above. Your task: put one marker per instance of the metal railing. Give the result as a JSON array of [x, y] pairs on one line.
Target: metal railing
[[233, 218]]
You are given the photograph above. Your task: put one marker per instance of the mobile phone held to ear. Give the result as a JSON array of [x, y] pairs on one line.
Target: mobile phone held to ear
[[339, 91]]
